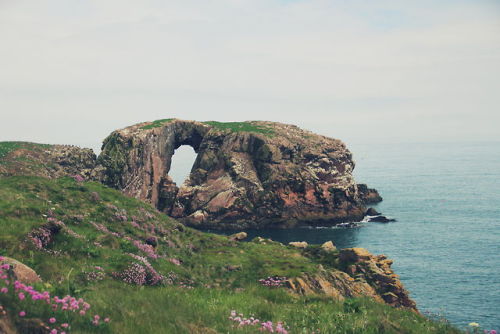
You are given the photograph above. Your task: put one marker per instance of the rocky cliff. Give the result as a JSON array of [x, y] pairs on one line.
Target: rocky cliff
[[248, 174], [362, 275]]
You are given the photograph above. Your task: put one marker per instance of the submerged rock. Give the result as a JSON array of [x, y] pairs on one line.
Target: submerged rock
[[248, 174], [381, 219]]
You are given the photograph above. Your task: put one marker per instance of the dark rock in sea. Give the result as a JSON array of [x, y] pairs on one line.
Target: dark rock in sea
[[372, 212], [249, 174], [381, 219], [368, 195]]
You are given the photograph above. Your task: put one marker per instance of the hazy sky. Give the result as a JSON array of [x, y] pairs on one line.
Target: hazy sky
[[71, 71]]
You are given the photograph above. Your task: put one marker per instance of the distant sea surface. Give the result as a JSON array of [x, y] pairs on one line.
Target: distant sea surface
[[446, 241]]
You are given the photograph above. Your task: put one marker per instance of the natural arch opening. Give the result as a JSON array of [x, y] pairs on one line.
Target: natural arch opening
[[182, 162]]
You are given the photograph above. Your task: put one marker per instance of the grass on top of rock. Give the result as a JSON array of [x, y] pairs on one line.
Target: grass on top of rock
[[158, 123], [241, 127], [8, 146], [149, 273]]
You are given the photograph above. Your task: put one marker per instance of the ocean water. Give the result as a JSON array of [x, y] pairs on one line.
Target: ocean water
[[446, 241]]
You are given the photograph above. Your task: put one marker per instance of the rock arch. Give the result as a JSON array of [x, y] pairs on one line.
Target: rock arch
[[248, 174], [139, 164]]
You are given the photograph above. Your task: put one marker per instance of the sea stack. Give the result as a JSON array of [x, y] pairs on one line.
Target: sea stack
[[246, 174]]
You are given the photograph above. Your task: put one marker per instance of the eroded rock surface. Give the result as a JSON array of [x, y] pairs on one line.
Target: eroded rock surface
[[251, 174], [365, 275]]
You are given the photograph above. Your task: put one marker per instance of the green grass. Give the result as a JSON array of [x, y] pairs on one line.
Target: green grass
[[158, 123], [221, 126], [206, 311], [240, 127], [8, 146], [205, 258]]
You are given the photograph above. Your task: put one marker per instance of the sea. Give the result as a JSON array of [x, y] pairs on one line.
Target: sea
[[446, 241]]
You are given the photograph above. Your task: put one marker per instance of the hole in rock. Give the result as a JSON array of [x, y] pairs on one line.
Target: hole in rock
[[182, 162]]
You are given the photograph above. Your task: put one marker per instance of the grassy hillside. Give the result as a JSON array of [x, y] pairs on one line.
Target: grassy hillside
[[147, 273]]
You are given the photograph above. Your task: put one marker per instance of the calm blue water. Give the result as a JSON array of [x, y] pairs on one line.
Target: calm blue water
[[446, 242]]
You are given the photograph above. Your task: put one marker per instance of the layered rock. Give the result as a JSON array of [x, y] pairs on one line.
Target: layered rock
[[376, 270], [250, 174], [364, 275], [368, 195]]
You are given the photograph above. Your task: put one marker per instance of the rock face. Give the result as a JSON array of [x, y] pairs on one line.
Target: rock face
[[368, 195], [365, 275], [376, 270], [249, 174]]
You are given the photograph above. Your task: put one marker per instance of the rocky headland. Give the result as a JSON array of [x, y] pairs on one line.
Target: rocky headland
[[250, 174], [246, 175]]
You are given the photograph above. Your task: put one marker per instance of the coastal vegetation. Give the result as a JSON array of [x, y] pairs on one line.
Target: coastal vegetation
[[139, 270], [241, 127]]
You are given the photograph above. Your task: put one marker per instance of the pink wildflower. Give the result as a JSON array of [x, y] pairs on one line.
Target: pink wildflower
[[52, 320], [22, 313]]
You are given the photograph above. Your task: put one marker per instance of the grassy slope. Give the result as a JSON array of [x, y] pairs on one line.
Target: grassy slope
[[205, 258]]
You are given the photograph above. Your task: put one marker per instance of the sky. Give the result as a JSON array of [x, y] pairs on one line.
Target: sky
[[72, 71]]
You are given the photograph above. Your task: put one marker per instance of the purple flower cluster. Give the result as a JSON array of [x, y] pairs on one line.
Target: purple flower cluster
[[175, 261], [147, 249], [23, 293], [134, 274], [104, 229], [40, 237], [140, 273], [146, 213], [153, 277], [96, 275], [273, 281], [120, 217], [78, 178], [134, 224], [100, 227], [266, 326], [150, 228]]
